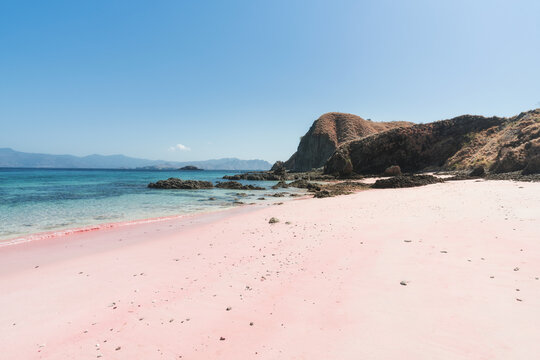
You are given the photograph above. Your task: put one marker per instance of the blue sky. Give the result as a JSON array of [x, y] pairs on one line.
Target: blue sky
[[247, 78]]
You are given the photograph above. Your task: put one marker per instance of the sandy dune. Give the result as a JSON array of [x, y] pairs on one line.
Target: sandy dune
[[326, 286]]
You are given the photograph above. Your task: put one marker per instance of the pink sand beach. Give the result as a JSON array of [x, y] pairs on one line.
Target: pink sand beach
[[445, 271]]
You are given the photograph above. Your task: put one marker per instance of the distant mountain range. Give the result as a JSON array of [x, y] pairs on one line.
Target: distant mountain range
[[12, 158]]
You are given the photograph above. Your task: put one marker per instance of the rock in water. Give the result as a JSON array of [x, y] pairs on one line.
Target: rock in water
[[189, 167], [235, 185], [175, 183]]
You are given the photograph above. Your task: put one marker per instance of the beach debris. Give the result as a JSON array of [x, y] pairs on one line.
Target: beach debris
[[407, 241], [228, 308], [516, 269], [118, 348], [273, 220], [518, 299], [444, 252], [221, 338], [251, 323], [403, 282]]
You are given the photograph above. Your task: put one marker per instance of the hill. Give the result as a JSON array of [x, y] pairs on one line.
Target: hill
[[498, 144], [327, 133]]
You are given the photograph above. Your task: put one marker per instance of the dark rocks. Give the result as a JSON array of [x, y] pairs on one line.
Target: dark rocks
[[278, 168], [406, 181], [515, 176], [273, 220], [304, 184], [236, 186], [393, 170], [175, 183], [254, 176], [478, 171], [336, 189], [280, 184], [322, 194], [279, 194]]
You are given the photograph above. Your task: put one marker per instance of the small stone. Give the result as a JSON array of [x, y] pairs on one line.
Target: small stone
[[407, 241], [221, 338], [228, 308], [404, 283], [516, 269], [273, 220], [518, 299], [251, 323], [444, 252], [118, 348]]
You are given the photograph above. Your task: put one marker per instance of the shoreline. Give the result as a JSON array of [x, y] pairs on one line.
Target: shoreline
[[39, 236], [324, 282], [53, 234]]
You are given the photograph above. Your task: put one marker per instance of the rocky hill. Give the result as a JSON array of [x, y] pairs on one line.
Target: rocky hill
[[330, 131], [464, 142]]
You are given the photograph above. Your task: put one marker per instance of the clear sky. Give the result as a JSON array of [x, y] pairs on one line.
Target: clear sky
[[247, 78]]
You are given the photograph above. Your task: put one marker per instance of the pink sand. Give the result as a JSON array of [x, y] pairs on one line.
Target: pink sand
[[325, 286]]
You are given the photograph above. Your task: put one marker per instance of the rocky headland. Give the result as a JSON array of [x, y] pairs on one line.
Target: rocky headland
[[329, 132], [500, 145]]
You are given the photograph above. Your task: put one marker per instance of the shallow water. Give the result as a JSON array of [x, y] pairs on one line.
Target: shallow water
[[40, 200]]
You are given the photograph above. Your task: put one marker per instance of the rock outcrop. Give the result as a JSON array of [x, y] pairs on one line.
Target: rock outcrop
[[330, 131], [465, 142], [175, 183], [189, 167], [406, 181], [237, 186]]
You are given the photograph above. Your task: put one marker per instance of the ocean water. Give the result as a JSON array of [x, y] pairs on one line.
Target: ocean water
[[44, 200]]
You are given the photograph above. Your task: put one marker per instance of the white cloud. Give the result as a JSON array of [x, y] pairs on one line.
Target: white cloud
[[179, 147]]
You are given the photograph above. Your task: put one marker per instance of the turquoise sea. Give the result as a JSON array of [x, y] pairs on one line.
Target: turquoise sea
[[42, 200]]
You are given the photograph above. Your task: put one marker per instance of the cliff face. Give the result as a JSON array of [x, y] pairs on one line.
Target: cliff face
[[330, 131], [498, 144]]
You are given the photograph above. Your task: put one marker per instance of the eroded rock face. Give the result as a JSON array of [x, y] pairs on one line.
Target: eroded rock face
[[498, 144], [175, 183], [330, 131]]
